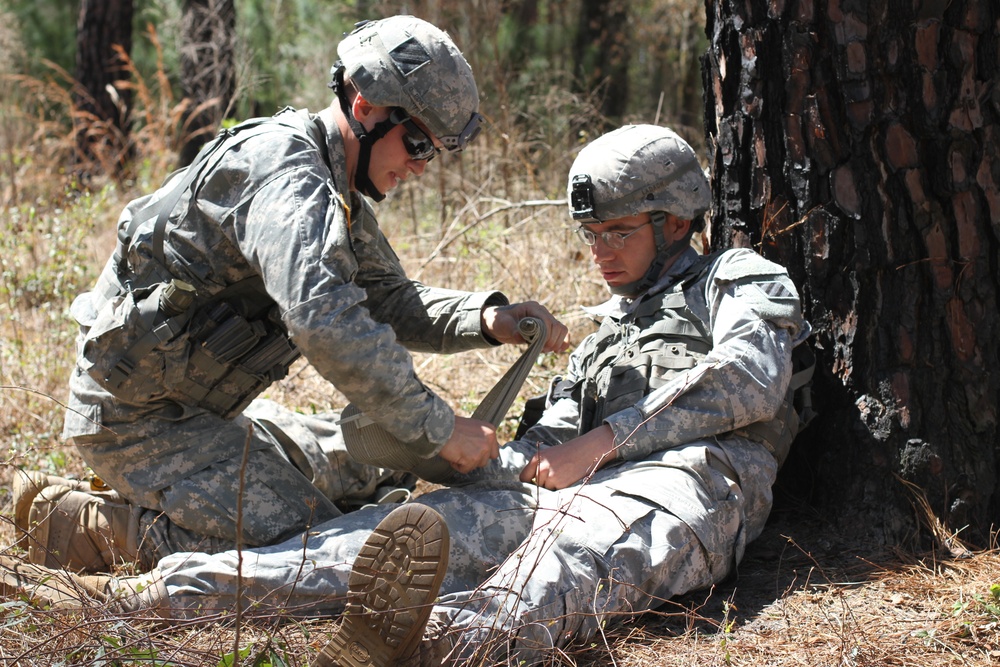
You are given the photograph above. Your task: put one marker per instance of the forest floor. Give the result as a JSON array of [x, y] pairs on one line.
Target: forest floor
[[801, 597]]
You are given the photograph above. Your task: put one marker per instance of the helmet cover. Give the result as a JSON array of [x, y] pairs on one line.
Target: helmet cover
[[403, 61], [637, 169]]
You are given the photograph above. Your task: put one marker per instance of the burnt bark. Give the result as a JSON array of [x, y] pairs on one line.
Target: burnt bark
[[856, 142], [101, 103], [208, 71]]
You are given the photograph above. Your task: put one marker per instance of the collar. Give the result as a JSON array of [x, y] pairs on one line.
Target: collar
[[336, 150], [619, 306]]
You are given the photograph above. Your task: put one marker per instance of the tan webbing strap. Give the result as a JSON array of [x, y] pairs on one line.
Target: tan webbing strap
[[495, 405], [367, 442]]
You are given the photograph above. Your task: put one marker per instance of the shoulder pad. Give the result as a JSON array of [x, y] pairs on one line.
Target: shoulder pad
[[763, 285], [744, 263]]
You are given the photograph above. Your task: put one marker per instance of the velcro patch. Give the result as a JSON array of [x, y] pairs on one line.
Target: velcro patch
[[409, 56], [774, 290], [771, 300]]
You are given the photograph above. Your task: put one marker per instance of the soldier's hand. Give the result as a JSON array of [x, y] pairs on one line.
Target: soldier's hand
[[472, 445], [500, 322], [566, 464]]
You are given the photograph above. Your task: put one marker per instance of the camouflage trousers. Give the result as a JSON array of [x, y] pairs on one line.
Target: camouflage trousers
[[271, 471], [529, 569]]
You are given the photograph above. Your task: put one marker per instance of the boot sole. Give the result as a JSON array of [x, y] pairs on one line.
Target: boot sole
[[393, 584]]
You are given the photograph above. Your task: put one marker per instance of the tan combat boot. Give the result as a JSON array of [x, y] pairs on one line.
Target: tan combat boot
[[394, 581], [27, 484], [80, 530], [64, 591]]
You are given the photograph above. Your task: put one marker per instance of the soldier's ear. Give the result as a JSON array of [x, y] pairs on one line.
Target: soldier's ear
[[677, 227], [361, 108]]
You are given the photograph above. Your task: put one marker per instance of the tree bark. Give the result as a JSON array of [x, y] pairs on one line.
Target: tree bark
[[208, 71], [101, 115], [856, 142]]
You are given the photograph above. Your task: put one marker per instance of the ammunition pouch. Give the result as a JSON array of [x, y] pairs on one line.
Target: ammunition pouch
[[233, 359], [130, 348], [218, 356]]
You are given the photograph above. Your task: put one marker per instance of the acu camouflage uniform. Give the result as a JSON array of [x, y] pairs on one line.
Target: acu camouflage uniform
[[694, 379], [269, 214]]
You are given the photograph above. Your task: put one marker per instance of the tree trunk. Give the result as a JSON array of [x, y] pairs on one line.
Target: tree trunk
[[601, 52], [523, 19], [856, 142], [101, 115], [208, 71]]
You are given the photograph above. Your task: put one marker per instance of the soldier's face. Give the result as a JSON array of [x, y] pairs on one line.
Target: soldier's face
[[629, 263], [391, 163]]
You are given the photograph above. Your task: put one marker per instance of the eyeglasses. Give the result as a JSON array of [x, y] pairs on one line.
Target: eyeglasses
[[614, 240], [417, 143]]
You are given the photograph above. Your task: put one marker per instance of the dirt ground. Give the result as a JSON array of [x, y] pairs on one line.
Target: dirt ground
[[803, 597]]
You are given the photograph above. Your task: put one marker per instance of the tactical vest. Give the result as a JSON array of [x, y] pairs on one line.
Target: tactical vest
[[627, 359], [161, 339]]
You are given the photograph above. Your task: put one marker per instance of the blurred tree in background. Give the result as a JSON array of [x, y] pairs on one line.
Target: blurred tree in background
[[557, 70], [102, 105], [601, 53], [208, 70]]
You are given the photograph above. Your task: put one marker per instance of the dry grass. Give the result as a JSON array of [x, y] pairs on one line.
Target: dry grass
[[800, 599]]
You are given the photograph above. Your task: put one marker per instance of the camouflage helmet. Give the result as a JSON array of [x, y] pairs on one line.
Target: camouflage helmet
[[637, 169], [403, 61]]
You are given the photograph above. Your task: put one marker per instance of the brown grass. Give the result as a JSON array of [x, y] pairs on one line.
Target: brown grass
[[799, 599]]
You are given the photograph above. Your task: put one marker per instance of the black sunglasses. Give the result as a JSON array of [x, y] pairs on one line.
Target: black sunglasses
[[417, 143]]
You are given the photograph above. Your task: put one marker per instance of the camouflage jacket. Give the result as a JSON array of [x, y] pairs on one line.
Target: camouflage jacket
[[711, 356], [274, 205]]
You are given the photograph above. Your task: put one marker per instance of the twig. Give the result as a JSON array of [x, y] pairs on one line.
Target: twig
[[55, 400], [239, 545], [505, 206], [601, 619]]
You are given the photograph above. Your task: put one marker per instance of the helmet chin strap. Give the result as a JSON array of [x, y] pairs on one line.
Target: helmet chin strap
[[366, 139], [664, 253]]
